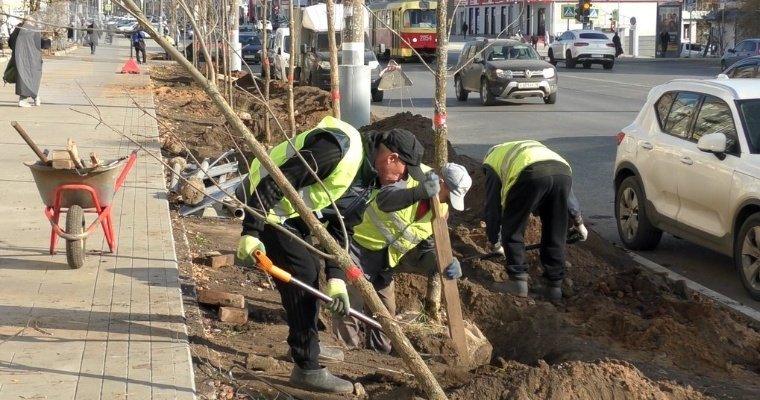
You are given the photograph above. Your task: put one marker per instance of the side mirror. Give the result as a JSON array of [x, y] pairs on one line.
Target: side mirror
[[382, 48], [713, 143], [478, 59], [731, 50], [304, 49]]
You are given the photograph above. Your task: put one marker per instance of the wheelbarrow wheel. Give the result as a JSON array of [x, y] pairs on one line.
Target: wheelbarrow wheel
[[75, 226]]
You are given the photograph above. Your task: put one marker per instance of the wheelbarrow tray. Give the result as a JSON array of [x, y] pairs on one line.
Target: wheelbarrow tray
[[102, 179]]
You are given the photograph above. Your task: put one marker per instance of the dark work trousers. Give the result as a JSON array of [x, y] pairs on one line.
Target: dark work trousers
[[546, 197], [301, 308]]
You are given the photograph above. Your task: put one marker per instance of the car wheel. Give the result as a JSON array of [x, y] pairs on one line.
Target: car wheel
[[587, 65], [635, 230], [485, 95], [551, 99], [609, 65], [377, 95], [461, 93], [747, 255], [569, 60], [552, 60]]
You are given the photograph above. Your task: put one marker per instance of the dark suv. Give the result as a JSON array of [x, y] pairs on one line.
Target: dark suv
[[506, 69]]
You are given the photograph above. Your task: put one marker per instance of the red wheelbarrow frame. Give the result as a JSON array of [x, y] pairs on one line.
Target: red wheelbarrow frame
[[53, 213]]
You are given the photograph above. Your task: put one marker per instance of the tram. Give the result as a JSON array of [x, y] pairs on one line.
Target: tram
[[414, 20]]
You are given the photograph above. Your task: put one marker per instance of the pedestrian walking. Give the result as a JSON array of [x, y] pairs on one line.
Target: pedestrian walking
[[464, 29], [525, 177], [664, 39], [26, 57], [534, 41], [349, 165], [92, 36], [138, 43], [396, 235], [618, 45]]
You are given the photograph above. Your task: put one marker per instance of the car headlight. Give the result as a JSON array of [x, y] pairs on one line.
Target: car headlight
[[504, 74], [548, 72], [324, 64]]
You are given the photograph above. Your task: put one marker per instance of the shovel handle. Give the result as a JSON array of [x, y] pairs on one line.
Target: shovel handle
[[266, 265], [29, 141]]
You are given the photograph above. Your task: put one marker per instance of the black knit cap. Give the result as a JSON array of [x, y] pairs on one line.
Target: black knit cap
[[408, 148]]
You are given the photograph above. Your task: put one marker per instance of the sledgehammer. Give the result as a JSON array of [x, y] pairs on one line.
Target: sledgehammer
[[266, 265]]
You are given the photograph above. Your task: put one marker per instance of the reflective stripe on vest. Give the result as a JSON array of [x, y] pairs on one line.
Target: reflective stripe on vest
[[314, 196], [511, 158]]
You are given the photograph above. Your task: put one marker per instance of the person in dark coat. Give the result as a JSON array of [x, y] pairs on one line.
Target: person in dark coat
[[618, 45], [464, 29], [664, 39], [92, 35], [25, 42]]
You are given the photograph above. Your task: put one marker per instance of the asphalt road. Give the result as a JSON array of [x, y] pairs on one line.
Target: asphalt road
[[592, 106]]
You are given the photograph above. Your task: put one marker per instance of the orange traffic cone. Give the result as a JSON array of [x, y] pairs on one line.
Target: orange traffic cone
[[130, 67]]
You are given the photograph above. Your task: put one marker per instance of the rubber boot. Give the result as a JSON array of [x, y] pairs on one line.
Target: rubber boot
[[553, 291], [327, 355], [517, 285], [319, 380]]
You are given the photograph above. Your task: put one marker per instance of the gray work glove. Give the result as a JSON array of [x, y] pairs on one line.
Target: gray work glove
[[429, 187]]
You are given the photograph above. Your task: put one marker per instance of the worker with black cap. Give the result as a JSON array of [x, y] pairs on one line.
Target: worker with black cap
[[349, 165]]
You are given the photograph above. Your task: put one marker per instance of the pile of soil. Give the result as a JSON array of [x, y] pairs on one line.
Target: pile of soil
[[622, 333]]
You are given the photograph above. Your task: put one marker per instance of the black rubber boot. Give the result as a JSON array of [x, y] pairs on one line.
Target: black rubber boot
[[553, 291], [327, 355], [517, 285], [319, 380]]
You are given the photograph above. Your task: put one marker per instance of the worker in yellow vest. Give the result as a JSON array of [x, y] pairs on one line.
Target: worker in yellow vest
[[524, 177], [396, 235], [350, 166]]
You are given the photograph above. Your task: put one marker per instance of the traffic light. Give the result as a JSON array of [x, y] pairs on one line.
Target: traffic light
[[586, 7], [579, 11]]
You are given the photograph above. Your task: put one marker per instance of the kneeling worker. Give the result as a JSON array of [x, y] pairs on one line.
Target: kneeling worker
[[397, 229], [525, 177]]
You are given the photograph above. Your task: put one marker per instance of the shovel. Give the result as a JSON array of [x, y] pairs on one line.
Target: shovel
[[571, 239], [266, 265]]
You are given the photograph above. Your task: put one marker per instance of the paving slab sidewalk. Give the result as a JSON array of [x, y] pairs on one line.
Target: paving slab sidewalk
[[114, 328]]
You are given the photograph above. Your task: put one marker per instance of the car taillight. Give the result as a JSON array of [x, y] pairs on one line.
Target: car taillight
[[620, 137], [610, 45], [580, 44]]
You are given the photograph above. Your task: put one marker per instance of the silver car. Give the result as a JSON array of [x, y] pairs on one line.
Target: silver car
[[583, 47], [745, 48]]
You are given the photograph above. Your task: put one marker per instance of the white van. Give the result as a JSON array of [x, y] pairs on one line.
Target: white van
[[690, 50], [278, 50]]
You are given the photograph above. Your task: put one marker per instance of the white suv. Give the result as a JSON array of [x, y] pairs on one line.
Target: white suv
[[690, 165], [584, 47]]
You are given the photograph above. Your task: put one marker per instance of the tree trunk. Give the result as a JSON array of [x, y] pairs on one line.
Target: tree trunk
[[291, 73], [412, 359], [334, 76], [267, 72]]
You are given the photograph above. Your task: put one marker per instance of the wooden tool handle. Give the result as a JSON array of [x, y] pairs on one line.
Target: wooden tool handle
[[30, 142], [71, 147]]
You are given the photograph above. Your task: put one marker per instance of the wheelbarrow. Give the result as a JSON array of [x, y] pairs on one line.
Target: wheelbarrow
[[76, 192]]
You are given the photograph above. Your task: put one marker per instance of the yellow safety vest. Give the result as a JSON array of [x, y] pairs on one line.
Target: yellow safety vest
[[397, 231], [509, 159], [315, 196]]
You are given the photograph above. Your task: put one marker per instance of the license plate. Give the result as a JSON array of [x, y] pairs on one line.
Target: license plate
[[597, 55], [528, 85]]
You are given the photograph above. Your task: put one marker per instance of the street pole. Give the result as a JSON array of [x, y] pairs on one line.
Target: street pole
[[236, 63], [355, 76]]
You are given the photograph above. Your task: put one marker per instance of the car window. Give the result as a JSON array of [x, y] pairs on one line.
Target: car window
[[744, 71], [742, 46], [751, 46], [463, 56], [567, 36], [715, 116], [749, 113], [663, 107], [519, 52], [680, 115], [593, 35]]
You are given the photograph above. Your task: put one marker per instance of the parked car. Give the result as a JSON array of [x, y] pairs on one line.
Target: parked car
[[252, 50], [690, 50], [689, 165], [583, 47], [746, 68], [745, 48], [506, 69]]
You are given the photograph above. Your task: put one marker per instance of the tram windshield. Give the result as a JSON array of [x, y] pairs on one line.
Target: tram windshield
[[419, 19]]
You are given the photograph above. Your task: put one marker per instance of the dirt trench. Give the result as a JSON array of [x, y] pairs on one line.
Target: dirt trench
[[623, 332]]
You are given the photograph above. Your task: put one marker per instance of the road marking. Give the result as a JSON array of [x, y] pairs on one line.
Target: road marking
[[610, 81], [709, 293]]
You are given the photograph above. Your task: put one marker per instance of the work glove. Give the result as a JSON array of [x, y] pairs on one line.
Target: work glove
[[580, 228], [429, 187], [336, 289], [497, 248], [454, 270], [246, 246]]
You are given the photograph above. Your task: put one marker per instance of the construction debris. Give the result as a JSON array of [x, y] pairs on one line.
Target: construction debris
[[224, 299], [215, 259], [231, 315]]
